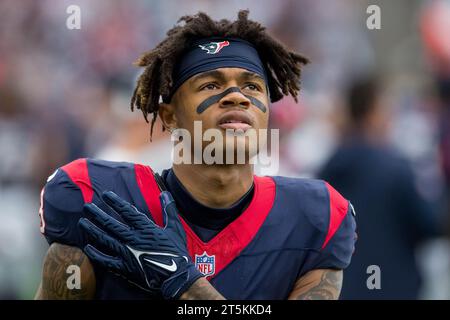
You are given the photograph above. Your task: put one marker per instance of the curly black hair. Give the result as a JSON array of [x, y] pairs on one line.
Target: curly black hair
[[283, 66]]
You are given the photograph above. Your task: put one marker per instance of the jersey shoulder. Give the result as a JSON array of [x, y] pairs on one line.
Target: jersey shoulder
[[323, 216], [314, 199], [83, 176], [74, 184]]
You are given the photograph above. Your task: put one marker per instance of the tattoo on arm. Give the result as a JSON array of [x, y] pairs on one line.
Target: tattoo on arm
[[323, 284], [201, 290], [54, 275]]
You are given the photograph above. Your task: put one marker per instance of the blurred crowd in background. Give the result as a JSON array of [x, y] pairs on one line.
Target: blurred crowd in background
[[373, 119]]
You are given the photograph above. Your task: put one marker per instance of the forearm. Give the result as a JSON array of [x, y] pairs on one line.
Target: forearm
[[201, 290], [54, 284], [323, 284]]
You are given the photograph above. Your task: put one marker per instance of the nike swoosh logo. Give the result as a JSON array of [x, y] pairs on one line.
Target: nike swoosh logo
[[137, 253], [171, 268]]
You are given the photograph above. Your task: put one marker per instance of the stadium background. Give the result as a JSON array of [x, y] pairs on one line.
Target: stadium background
[[64, 94]]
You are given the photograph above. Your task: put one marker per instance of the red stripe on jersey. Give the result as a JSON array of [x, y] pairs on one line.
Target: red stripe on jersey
[[150, 191], [78, 172], [228, 244], [338, 210]]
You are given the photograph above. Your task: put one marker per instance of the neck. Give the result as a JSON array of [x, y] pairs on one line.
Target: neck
[[215, 186]]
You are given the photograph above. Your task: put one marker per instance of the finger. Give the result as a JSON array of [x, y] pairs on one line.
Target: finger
[[170, 212], [106, 261], [128, 212], [99, 236], [109, 223], [113, 200]]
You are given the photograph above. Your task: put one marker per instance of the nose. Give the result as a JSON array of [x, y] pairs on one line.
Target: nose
[[235, 99]]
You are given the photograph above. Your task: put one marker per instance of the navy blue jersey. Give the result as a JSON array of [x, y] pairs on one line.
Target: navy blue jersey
[[290, 227]]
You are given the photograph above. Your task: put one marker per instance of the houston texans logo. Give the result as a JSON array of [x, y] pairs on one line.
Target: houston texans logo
[[214, 47]]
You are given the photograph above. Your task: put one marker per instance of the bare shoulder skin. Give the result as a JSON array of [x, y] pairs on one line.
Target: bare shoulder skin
[[55, 274]]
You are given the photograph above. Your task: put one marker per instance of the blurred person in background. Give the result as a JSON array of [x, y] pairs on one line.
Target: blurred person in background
[[434, 27], [392, 216]]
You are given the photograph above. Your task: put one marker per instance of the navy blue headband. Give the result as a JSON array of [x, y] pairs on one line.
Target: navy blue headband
[[213, 53]]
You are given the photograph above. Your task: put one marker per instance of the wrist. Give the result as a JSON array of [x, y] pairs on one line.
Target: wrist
[[179, 283]]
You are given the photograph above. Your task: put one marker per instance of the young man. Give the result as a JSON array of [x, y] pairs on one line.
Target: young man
[[201, 231]]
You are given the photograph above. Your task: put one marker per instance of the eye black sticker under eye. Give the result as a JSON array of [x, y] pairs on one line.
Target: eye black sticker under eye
[[216, 98]]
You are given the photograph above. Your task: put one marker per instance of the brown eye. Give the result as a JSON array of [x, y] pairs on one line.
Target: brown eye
[[210, 86], [252, 87]]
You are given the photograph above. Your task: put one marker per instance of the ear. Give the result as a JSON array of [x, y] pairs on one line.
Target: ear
[[167, 115]]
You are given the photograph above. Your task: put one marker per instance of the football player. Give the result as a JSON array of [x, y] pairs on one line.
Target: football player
[[198, 231]]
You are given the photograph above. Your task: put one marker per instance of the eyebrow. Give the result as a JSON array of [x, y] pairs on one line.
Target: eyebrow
[[209, 74], [220, 75], [251, 75]]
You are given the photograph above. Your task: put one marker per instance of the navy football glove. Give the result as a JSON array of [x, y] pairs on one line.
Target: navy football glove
[[156, 259]]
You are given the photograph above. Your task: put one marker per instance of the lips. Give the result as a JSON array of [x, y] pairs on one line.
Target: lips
[[235, 120]]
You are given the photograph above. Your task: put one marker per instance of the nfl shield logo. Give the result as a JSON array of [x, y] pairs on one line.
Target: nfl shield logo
[[205, 263]]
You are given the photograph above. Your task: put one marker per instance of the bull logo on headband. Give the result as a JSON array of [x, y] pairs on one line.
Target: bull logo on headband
[[214, 47]]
